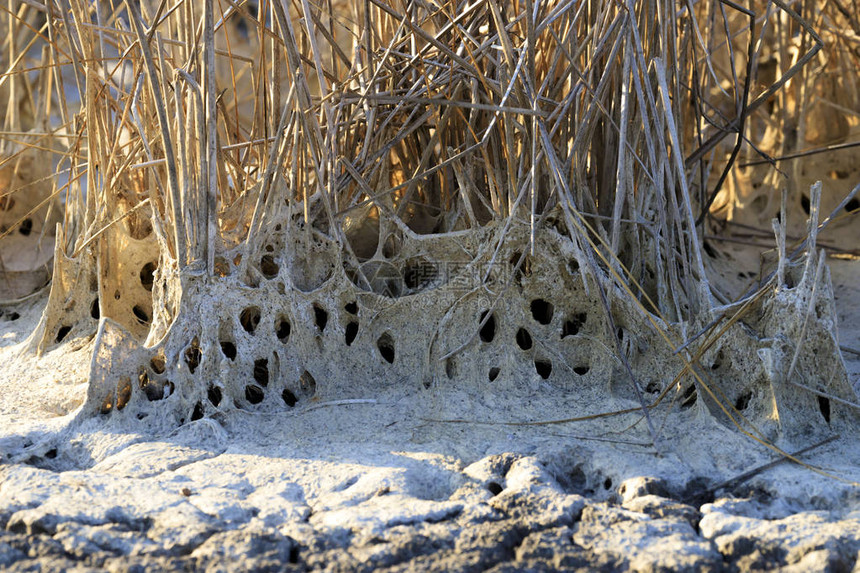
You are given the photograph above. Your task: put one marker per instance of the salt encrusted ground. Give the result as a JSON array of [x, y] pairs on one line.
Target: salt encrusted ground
[[378, 485]]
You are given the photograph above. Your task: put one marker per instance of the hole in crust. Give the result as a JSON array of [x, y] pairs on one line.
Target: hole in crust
[[107, 404], [351, 332], [689, 397], [607, 484], [222, 267], [261, 371], [320, 317], [385, 344], [139, 226], [95, 313], [6, 203], [289, 398], [198, 412], [123, 393], [494, 488], [573, 324], [852, 205], [62, 333], [524, 339], [824, 408], [718, 361], [582, 370], [140, 314], [228, 349], [488, 331], [214, 394], [147, 275], [805, 204], [450, 367], [158, 364], [542, 310], [525, 269], [743, 400], [249, 319], [282, 329], [269, 267], [543, 368], [192, 356], [307, 383], [494, 373], [254, 394], [26, 227], [153, 389], [351, 307]]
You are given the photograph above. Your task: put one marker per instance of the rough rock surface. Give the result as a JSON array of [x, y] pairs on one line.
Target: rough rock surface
[[201, 516]]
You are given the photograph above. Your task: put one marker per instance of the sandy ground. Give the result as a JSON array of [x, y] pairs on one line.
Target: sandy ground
[[379, 484]]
